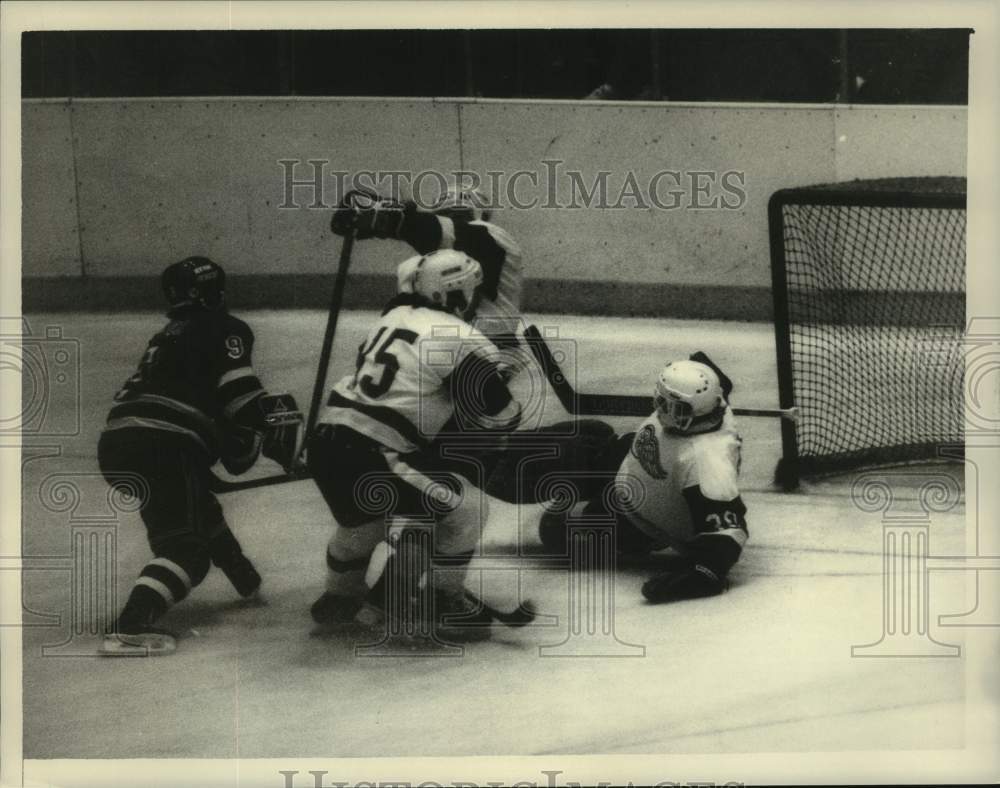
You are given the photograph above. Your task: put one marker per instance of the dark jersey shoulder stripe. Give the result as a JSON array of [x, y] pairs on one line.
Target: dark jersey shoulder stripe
[[195, 374]]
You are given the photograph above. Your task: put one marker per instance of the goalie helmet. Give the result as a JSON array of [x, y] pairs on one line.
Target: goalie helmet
[[688, 397], [194, 281], [463, 203], [448, 279]]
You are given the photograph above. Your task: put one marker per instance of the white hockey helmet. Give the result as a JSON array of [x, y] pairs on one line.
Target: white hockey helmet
[[404, 273], [463, 202], [450, 279], [688, 397]]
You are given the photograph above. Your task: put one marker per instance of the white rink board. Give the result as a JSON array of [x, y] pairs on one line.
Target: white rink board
[[886, 142], [50, 237], [773, 147], [160, 177]]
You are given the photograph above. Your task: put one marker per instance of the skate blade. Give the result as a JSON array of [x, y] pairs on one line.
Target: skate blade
[[368, 621], [145, 645], [475, 633]]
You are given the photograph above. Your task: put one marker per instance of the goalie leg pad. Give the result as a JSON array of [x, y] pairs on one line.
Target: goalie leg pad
[[553, 530], [583, 449]]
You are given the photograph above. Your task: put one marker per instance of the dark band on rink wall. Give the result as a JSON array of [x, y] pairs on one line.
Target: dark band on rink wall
[[371, 291]]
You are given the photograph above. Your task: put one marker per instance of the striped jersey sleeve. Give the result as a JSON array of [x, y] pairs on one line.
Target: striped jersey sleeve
[[237, 387]]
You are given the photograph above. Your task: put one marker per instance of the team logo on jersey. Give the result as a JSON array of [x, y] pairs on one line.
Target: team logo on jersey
[[646, 449]]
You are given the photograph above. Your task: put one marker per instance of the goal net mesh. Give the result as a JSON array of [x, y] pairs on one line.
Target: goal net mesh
[[869, 281]]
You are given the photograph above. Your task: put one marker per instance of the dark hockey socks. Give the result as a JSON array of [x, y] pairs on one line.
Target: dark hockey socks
[[161, 584], [143, 608], [228, 556]]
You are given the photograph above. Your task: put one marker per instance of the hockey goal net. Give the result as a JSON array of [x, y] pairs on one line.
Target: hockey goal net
[[869, 297]]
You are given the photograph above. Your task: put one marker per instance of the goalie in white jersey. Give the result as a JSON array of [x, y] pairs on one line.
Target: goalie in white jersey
[[677, 483], [422, 370]]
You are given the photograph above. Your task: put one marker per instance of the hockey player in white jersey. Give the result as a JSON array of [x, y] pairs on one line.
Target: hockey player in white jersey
[[375, 452], [677, 477], [460, 220]]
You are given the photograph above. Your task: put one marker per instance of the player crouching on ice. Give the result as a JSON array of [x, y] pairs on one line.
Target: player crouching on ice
[[376, 453], [679, 470], [194, 397]]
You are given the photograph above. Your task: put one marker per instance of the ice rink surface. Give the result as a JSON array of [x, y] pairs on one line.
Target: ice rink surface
[[766, 667]]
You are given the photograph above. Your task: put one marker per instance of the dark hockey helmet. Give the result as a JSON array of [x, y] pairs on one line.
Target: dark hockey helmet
[[194, 281]]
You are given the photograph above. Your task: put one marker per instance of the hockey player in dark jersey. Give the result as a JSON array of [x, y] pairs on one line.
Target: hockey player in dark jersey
[[674, 479], [193, 400], [375, 454], [460, 221]]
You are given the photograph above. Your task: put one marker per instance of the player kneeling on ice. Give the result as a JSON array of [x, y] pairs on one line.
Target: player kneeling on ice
[[193, 400], [679, 473], [376, 453]]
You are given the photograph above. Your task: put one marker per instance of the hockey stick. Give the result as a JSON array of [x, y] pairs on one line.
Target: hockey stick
[[331, 327], [299, 470], [580, 404], [295, 474], [521, 617]]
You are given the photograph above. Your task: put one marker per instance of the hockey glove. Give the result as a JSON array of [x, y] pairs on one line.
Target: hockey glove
[[344, 219], [692, 582], [240, 448], [282, 429], [369, 216]]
